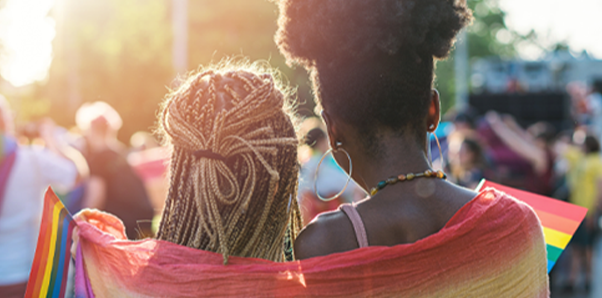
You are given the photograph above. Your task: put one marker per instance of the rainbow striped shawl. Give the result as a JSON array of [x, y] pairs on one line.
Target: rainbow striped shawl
[[492, 247]]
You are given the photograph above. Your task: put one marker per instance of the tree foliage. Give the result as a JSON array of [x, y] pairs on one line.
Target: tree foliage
[[117, 51], [120, 51]]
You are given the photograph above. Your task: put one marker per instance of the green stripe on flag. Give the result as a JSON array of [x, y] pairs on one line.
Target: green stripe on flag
[[553, 252]]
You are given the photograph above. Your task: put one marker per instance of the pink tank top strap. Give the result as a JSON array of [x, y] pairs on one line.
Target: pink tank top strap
[[358, 224]]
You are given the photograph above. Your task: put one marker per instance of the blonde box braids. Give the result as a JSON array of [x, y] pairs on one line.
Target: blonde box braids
[[243, 204]]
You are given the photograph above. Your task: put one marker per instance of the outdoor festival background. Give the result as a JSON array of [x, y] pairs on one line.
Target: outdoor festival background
[[529, 61]]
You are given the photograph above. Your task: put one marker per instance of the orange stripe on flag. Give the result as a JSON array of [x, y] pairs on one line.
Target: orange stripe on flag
[[561, 224], [37, 261], [44, 254]]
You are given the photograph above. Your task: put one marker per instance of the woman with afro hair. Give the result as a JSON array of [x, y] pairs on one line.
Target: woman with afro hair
[[371, 65]]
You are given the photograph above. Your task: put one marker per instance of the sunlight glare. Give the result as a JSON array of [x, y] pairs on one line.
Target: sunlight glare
[[26, 34]]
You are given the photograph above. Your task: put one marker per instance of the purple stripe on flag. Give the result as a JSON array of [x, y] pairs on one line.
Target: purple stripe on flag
[[83, 288]]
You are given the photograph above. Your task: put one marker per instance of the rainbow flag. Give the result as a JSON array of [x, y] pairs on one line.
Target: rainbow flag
[[559, 219], [48, 276]]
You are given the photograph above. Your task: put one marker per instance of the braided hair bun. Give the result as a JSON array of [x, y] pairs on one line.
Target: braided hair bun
[[233, 175]]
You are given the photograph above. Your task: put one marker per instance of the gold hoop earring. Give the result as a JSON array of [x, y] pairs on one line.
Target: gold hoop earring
[[331, 150], [430, 151], [440, 152]]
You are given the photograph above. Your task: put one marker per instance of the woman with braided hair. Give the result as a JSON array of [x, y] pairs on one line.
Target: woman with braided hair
[[233, 169], [234, 164]]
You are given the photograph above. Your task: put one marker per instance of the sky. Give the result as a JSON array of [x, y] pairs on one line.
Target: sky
[[578, 22], [26, 32]]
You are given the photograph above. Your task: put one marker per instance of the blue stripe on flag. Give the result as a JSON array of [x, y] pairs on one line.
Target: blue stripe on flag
[[550, 265], [61, 264]]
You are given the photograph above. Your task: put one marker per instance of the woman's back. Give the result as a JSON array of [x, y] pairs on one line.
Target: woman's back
[[400, 218]]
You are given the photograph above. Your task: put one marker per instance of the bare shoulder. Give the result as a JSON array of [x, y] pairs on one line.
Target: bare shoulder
[[329, 233]]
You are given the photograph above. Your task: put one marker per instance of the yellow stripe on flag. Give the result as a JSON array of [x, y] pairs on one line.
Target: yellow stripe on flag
[[55, 222], [556, 238]]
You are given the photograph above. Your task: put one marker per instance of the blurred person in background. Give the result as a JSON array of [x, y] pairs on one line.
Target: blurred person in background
[[468, 164], [329, 181], [142, 140], [25, 173], [463, 126], [595, 101], [580, 105], [150, 161], [465, 122], [113, 186], [533, 145], [561, 164], [510, 167], [585, 186]]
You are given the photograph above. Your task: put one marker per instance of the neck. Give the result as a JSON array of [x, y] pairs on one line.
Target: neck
[[397, 156]]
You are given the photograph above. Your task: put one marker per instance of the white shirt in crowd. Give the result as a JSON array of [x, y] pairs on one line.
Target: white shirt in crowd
[[34, 170]]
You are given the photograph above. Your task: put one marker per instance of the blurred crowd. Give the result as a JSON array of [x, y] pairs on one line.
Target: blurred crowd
[[87, 166], [90, 168], [560, 162]]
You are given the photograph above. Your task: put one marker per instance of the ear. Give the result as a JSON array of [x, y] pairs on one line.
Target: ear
[[331, 129], [434, 112]]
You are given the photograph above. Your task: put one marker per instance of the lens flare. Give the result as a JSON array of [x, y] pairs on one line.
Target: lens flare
[[26, 34]]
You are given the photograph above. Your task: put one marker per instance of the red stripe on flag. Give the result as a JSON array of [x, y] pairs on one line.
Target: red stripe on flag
[[42, 237], [36, 276], [538, 202]]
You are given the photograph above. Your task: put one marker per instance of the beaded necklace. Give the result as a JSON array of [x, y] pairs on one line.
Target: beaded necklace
[[407, 177]]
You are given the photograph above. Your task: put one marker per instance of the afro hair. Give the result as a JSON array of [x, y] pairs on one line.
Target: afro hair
[[371, 62]]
